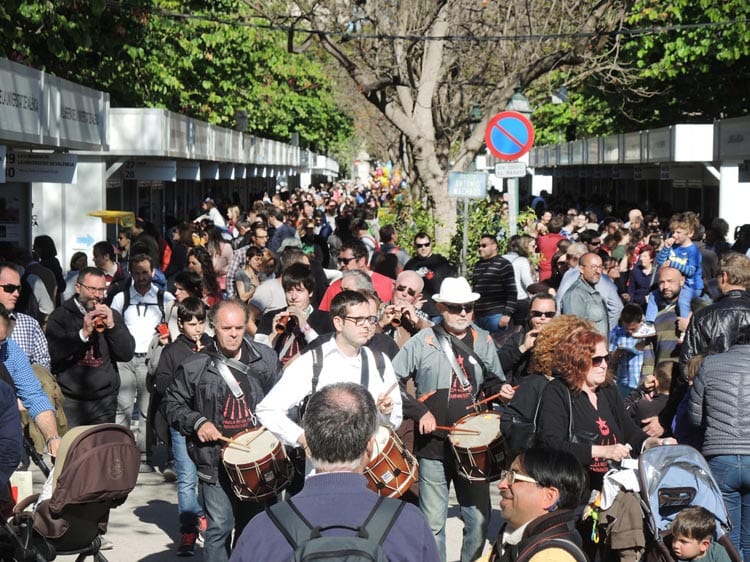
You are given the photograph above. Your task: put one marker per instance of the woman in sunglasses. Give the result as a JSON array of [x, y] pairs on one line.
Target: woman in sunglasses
[[581, 411], [516, 350]]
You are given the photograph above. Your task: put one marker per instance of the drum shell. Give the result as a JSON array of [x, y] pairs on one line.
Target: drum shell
[[480, 462], [392, 469], [258, 479]]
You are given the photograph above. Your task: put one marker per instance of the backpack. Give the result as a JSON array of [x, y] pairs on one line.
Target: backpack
[[124, 288], [309, 544]]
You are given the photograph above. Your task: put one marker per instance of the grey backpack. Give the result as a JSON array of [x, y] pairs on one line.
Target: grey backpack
[[309, 543]]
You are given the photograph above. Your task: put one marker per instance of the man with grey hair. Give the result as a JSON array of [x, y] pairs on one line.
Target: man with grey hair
[[340, 425]]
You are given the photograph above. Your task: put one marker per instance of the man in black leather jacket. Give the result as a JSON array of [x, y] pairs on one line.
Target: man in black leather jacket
[[539, 495], [711, 329], [206, 407]]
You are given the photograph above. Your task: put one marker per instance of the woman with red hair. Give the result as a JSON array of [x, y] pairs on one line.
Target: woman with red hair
[[581, 410]]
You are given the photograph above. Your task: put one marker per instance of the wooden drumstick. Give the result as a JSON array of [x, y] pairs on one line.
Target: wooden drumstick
[[245, 446], [386, 393], [484, 401], [457, 429], [424, 397]]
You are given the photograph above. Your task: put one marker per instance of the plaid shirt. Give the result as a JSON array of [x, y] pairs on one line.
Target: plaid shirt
[[29, 336], [631, 362], [28, 388]]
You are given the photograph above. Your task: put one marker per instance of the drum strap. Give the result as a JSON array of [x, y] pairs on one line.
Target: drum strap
[[221, 365], [445, 344]]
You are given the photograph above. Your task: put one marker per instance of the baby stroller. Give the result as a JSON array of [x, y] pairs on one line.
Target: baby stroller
[[673, 477], [95, 470]]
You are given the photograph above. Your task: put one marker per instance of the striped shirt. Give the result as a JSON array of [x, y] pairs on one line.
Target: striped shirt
[[495, 281]]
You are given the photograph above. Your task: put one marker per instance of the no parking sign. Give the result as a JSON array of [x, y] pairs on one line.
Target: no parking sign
[[509, 135]]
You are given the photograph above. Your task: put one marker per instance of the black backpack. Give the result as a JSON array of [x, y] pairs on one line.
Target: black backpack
[[124, 288], [309, 543]]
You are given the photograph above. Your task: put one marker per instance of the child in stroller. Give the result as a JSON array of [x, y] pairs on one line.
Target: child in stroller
[[693, 534], [95, 470]]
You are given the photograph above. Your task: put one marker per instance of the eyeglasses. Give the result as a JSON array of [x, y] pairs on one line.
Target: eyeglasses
[[483, 245], [94, 289], [540, 313], [457, 308], [361, 320], [10, 288], [425, 245], [512, 476], [402, 288], [597, 360], [595, 243], [345, 261]]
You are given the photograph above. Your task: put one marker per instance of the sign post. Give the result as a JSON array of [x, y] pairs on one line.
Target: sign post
[[509, 136], [467, 185]]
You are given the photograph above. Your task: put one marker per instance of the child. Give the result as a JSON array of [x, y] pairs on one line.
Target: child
[[680, 252], [649, 399], [627, 352], [693, 534]]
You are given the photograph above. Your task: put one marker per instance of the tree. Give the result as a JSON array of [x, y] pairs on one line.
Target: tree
[[185, 56], [423, 64]]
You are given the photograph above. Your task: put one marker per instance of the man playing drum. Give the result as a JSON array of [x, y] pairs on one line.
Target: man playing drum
[[213, 398], [343, 358], [451, 366]]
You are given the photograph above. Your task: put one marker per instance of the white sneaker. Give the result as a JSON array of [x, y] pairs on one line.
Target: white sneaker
[[646, 330]]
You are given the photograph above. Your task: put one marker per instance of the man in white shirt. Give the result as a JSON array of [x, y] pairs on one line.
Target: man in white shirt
[[343, 358], [142, 308]]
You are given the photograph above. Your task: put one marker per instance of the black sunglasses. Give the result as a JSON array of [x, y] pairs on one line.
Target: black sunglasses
[[425, 245], [457, 308], [597, 360], [345, 261], [10, 288], [540, 313], [402, 288]]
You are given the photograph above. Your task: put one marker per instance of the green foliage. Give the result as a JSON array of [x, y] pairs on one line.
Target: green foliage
[[205, 69], [485, 217], [409, 216]]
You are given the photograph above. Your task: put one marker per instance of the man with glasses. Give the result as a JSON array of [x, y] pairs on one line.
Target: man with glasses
[[431, 267], [343, 358], [86, 338], [583, 299], [353, 255], [495, 281], [538, 498], [403, 316], [451, 365]]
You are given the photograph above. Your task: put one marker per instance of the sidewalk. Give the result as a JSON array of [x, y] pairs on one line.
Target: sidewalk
[[145, 527]]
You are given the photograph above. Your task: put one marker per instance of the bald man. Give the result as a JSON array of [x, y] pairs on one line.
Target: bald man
[[583, 299], [403, 317]]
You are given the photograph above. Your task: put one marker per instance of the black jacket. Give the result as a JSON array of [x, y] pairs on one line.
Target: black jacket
[[198, 394], [85, 370], [554, 530], [515, 364], [714, 327]]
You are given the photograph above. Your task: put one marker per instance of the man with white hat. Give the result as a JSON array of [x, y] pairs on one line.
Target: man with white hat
[[452, 364]]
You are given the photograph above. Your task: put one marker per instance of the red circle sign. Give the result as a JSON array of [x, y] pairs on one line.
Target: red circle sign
[[509, 135]]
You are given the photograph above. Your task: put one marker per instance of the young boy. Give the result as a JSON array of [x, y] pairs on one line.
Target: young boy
[[627, 352], [693, 534], [680, 252]]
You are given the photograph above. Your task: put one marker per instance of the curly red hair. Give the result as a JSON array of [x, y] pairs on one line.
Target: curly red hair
[[572, 361]]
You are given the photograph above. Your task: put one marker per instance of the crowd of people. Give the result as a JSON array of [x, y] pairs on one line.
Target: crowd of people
[[305, 319]]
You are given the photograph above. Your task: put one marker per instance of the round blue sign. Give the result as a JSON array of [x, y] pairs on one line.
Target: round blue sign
[[509, 135]]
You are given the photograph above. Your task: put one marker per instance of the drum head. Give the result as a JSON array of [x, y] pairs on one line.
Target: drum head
[[382, 436], [486, 423], [260, 447]]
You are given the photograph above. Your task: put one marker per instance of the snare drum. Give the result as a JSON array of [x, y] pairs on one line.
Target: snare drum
[[392, 469], [479, 457], [260, 469]]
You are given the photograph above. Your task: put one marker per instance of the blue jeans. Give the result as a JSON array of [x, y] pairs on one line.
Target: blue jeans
[[224, 513], [435, 478], [187, 484], [490, 323], [732, 474]]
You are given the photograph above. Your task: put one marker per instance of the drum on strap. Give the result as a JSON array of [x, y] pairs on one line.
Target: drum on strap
[[392, 469], [257, 465], [479, 446]]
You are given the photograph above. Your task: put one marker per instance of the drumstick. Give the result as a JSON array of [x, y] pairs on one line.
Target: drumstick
[[457, 429], [484, 401], [244, 446], [387, 392]]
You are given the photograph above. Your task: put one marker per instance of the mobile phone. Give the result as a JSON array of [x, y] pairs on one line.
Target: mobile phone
[[163, 330]]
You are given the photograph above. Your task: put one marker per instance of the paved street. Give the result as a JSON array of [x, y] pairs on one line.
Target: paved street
[[145, 528]]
